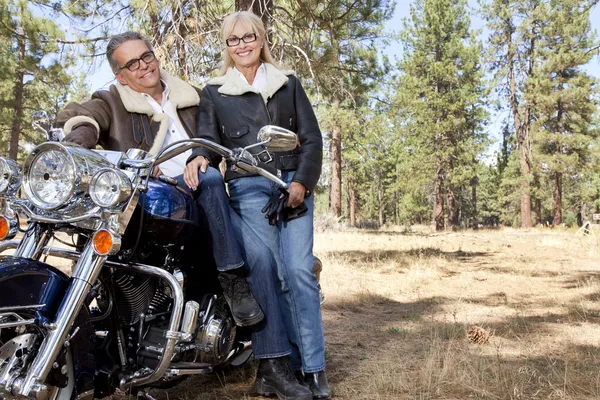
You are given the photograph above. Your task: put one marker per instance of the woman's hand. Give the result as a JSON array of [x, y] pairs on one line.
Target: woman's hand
[[297, 192], [190, 173]]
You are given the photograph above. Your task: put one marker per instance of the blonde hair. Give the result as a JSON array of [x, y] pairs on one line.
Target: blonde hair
[[253, 24]]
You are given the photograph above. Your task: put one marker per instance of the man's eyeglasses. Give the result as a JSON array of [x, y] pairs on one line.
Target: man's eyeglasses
[[247, 38], [134, 65]]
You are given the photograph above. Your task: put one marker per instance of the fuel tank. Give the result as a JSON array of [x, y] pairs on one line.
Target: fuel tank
[[168, 215]]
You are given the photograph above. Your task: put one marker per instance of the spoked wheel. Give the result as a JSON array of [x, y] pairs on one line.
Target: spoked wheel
[[18, 348]]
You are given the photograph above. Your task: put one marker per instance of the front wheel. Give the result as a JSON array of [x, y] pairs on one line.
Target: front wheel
[[18, 347]]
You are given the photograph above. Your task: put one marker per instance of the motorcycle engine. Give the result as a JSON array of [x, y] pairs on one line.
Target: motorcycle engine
[[216, 338], [214, 342]]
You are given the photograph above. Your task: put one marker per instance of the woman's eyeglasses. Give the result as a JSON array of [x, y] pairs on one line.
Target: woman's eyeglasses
[[134, 65], [247, 38]]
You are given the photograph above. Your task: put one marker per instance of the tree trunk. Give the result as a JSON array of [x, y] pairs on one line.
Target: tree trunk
[[521, 130], [450, 199], [380, 200], [538, 211], [352, 203], [438, 206], [335, 149], [181, 49], [474, 183], [13, 149], [557, 196]]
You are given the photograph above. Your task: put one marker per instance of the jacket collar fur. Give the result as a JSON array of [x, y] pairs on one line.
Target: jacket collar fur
[[232, 85], [181, 94]]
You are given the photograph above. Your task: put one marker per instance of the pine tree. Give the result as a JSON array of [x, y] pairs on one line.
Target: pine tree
[[34, 66], [440, 91], [561, 95]]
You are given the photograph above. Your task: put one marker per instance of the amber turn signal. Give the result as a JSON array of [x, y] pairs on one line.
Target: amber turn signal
[[103, 242], [4, 228]]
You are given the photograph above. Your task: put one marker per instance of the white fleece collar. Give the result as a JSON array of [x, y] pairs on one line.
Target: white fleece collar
[[182, 95], [233, 85]]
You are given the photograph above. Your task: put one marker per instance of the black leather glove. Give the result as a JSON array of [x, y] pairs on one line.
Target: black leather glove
[[276, 210]]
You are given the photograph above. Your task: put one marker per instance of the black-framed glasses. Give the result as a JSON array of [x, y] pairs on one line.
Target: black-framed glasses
[[247, 38], [134, 65]]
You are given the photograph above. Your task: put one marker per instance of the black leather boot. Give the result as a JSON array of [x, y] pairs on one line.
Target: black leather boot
[[317, 382], [244, 308], [276, 377], [300, 377]]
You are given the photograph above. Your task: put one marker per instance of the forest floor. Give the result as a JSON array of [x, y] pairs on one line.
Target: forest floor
[[503, 314]]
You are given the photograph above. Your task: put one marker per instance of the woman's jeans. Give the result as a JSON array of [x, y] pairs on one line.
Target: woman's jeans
[[292, 245], [233, 243]]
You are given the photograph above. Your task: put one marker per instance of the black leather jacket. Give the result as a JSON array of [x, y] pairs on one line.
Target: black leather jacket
[[234, 121]]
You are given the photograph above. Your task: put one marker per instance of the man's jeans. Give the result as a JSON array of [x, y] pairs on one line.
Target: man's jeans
[[233, 242], [292, 245]]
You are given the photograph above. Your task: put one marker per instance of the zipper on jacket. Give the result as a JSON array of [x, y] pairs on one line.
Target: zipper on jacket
[[266, 110], [234, 97], [291, 123]]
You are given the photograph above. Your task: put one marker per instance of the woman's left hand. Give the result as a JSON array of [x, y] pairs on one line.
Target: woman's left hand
[[297, 192]]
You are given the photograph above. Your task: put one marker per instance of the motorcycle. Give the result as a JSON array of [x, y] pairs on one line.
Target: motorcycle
[[140, 308]]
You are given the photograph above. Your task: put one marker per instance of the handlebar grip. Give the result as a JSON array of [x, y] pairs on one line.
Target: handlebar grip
[[269, 168]]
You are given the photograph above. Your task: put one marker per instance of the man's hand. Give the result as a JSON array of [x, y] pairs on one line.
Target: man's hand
[[190, 173], [156, 172], [297, 192]]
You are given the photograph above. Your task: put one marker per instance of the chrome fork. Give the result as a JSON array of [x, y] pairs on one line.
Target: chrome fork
[[84, 275], [33, 241]]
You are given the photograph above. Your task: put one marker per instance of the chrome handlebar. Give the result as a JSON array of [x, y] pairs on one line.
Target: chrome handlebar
[[241, 158]]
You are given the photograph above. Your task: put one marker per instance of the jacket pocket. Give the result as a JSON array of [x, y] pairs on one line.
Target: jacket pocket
[[238, 132]]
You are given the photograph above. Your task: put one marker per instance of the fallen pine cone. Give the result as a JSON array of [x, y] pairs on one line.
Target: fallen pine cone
[[477, 335]]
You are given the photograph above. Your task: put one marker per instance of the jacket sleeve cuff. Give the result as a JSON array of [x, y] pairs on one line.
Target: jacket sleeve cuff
[[308, 182], [211, 157], [80, 120]]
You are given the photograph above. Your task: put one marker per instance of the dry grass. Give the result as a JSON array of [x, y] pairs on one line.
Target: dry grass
[[399, 306]]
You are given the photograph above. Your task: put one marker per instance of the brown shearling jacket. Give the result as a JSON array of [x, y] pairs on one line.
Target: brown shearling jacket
[[120, 118]]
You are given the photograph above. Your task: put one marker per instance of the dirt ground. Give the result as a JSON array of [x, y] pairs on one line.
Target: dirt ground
[[502, 314]]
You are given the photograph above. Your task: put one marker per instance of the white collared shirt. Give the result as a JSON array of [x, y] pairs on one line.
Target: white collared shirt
[[260, 79], [175, 132]]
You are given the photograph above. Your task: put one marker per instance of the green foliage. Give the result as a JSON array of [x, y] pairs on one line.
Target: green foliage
[[33, 68], [440, 97]]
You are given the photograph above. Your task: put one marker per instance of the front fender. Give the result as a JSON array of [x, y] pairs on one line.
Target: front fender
[[26, 282]]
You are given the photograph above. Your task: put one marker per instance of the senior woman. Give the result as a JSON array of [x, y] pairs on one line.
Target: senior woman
[[250, 93]]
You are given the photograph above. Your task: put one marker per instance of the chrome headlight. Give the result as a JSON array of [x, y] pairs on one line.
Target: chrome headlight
[[110, 188], [59, 174], [10, 177]]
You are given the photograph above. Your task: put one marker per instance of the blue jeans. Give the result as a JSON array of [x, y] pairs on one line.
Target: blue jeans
[[292, 245], [233, 243]]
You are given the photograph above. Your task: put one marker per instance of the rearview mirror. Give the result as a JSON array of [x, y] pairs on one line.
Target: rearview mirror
[[275, 138], [40, 121]]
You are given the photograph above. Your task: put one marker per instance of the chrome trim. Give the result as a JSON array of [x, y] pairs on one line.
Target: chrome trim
[[85, 273], [22, 205], [190, 320], [17, 308], [14, 178], [277, 138], [192, 371], [178, 274], [172, 334], [9, 245], [19, 322], [32, 242]]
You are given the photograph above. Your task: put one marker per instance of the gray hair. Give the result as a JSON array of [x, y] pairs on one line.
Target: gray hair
[[118, 40]]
